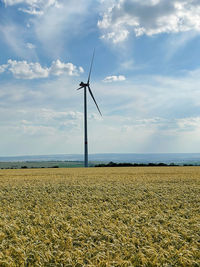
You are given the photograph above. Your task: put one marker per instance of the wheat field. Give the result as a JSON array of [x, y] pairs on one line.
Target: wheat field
[[146, 216]]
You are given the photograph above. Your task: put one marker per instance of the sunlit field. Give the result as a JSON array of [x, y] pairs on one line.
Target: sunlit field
[[100, 217]]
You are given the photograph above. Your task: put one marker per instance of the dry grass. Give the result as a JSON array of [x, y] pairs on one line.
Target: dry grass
[[100, 217]]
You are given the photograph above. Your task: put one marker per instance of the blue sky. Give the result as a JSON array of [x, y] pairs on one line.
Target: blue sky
[[146, 76]]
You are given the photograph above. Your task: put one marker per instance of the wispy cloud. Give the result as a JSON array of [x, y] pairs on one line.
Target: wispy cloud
[[13, 36], [51, 24], [30, 46], [60, 25], [175, 43], [32, 7], [39, 130]]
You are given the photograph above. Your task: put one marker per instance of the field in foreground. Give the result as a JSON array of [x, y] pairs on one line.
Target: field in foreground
[[100, 217]]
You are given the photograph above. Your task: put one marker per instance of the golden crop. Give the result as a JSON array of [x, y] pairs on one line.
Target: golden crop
[[100, 217]]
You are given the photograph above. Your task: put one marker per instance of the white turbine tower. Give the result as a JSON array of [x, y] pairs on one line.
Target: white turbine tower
[[86, 86]]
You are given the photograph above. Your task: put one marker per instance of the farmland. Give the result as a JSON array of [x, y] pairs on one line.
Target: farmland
[[100, 217]]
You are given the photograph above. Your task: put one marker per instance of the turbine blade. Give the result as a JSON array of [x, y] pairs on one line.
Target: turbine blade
[[80, 88], [94, 99], [91, 67]]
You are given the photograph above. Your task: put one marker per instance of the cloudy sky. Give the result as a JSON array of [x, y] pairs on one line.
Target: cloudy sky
[[146, 75]]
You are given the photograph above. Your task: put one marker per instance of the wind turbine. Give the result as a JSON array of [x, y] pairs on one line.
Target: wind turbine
[[86, 86]]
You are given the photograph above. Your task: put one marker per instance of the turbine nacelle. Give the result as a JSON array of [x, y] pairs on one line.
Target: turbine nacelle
[[82, 84], [87, 85]]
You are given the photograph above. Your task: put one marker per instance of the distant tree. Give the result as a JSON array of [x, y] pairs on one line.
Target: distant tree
[[111, 164], [24, 167]]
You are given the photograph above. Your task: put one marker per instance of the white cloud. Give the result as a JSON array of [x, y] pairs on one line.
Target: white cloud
[[3, 68], [25, 70], [58, 68], [149, 17], [114, 78]]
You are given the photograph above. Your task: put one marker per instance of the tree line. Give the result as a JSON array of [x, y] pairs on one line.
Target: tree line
[[160, 164]]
